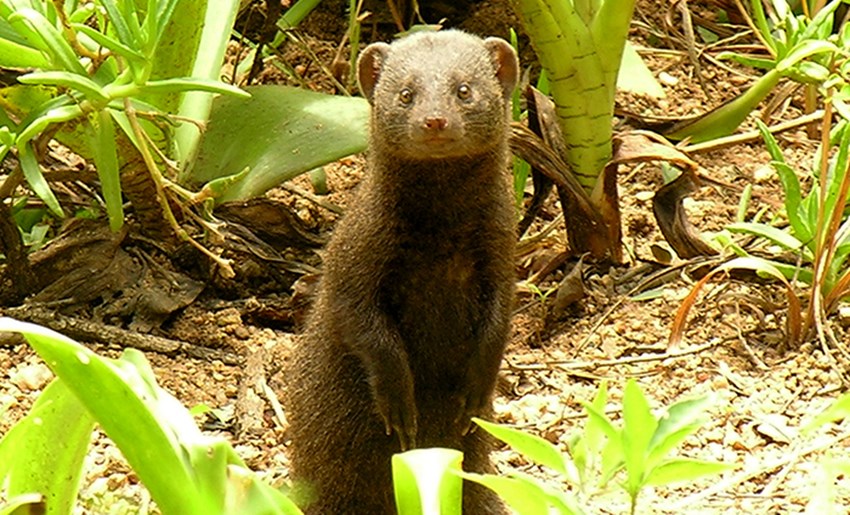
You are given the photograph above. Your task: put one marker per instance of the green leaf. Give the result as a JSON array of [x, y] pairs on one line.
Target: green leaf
[[685, 469], [127, 35], [634, 76], [531, 446], [278, 133], [14, 55], [777, 236], [524, 497], [81, 83], [36, 180], [109, 43], [180, 85], [115, 392], [753, 62], [50, 38], [838, 410], [423, 482], [106, 162], [638, 427], [60, 114], [805, 49], [36, 459], [680, 420]]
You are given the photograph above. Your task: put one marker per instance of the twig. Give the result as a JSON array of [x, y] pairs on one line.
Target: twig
[[572, 365], [82, 329]]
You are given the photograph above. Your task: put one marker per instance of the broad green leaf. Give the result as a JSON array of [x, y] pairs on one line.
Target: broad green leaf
[[114, 392], [677, 422], [638, 427], [81, 83], [36, 459], [106, 162], [246, 494], [531, 446], [684, 469], [279, 133], [424, 484], [524, 497], [36, 180]]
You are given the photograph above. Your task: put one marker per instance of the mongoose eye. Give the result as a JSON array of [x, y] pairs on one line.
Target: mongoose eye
[[406, 96], [464, 92]]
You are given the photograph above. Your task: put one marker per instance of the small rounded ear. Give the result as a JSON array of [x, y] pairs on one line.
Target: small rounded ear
[[505, 60], [369, 66]]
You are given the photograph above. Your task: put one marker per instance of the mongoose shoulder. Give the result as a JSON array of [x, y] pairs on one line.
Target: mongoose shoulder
[[406, 337]]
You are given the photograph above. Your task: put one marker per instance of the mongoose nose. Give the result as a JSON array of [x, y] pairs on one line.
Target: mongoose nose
[[435, 123]]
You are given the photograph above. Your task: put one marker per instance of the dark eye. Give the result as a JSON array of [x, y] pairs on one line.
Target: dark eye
[[464, 92], [406, 96]]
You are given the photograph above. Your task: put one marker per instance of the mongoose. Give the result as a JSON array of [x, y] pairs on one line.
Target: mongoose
[[411, 319]]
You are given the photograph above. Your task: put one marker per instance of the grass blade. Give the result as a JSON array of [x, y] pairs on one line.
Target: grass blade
[[36, 180]]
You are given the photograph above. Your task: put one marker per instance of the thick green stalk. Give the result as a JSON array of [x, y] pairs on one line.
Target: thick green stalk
[[582, 98]]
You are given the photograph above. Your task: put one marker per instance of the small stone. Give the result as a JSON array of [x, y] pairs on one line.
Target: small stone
[[667, 79], [31, 377]]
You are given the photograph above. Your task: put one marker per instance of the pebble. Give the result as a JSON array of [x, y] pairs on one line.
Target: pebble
[[31, 377]]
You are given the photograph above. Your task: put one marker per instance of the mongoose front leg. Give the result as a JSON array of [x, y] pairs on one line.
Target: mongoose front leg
[[382, 353]]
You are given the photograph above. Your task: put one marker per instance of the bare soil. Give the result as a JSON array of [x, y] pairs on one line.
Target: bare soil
[[559, 355]]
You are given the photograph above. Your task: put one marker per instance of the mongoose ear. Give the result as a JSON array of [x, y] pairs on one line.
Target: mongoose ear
[[369, 66], [507, 66]]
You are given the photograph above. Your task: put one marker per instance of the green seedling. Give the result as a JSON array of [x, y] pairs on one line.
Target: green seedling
[[638, 451]]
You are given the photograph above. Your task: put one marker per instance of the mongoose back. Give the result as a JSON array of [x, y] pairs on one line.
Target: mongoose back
[[406, 337]]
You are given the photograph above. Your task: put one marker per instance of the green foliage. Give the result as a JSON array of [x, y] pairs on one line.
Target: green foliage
[[800, 49], [639, 450], [818, 223], [185, 471], [96, 65], [273, 135], [426, 482]]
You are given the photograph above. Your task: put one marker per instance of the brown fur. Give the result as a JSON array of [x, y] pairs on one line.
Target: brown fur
[[412, 314]]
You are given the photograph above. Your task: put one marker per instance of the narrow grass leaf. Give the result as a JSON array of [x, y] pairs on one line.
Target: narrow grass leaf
[[36, 180], [805, 49], [37, 461], [684, 469], [635, 76], [531, 446], [777, 236]]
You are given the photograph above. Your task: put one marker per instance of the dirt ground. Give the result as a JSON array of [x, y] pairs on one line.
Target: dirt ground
[[761, 397]]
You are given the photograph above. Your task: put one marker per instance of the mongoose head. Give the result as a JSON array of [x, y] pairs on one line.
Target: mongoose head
[[438, 95]]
